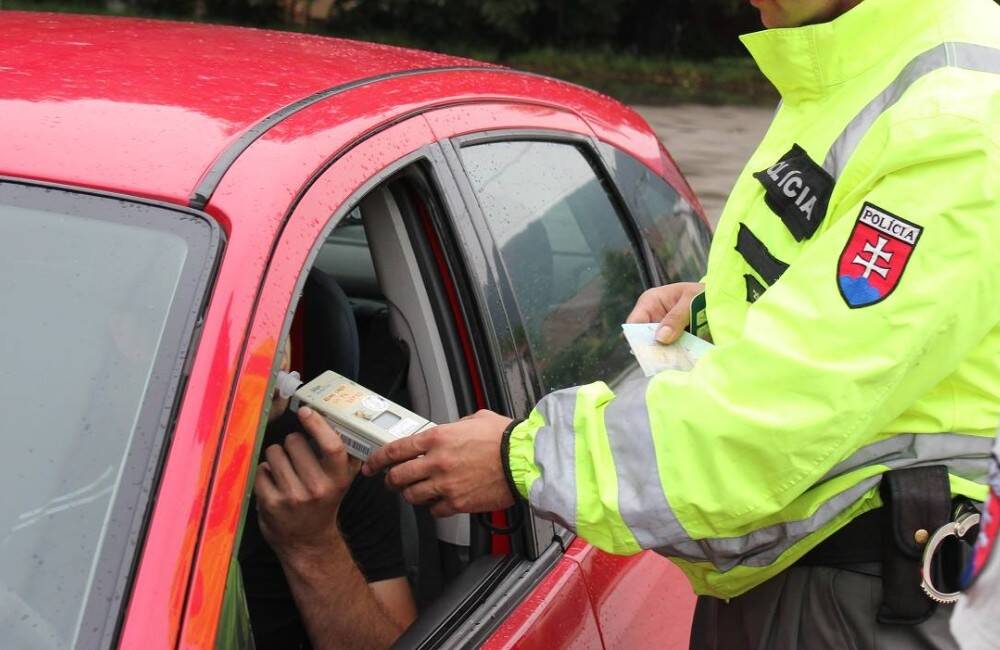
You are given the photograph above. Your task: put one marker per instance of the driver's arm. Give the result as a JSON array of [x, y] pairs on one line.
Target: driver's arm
[[299, 494]]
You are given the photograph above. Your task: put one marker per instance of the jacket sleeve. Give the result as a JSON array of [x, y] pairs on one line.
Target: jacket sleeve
[[697, 464]]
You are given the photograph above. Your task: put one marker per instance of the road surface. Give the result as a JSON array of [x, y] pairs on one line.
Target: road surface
[[710, 144]]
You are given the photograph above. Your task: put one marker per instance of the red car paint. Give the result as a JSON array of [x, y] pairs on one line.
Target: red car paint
[[147, 108]]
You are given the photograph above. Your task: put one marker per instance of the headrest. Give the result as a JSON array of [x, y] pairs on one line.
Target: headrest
[[329, 333]]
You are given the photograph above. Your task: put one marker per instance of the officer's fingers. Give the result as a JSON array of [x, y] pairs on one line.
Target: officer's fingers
[[674, 322], [443, 509], [405, 474], [647, 309], [397, 452], [421, 493], [639, 314], [654, 304]]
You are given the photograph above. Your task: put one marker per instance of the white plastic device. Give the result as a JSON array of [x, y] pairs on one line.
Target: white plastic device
[[364, 419]]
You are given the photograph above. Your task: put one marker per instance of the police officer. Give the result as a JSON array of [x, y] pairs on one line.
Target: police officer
[[847, 409], [976, 623]]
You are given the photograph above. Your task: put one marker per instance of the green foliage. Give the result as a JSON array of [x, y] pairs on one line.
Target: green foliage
[[651, 51], [667, 27]]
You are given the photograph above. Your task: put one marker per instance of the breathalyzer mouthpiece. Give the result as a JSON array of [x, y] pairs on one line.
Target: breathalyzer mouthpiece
[[287, 383]]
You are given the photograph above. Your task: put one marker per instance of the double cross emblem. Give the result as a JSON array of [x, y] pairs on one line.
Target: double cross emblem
[[878, 253]]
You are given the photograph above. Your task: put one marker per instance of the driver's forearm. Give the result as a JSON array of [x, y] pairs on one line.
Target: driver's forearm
[[336, 603]]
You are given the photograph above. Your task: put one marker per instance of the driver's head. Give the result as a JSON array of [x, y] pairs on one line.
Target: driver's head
[[794, 13], [279, 404]]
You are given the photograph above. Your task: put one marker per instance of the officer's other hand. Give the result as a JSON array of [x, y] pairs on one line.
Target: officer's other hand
[[669, 305], [453, 467], [299, 490]]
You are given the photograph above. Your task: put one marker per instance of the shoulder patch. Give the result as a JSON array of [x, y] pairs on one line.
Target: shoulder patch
[[875, 256], [798, 191]]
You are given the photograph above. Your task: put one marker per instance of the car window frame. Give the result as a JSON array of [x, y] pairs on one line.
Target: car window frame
[[233, 595], [101, 623], [479, 300]]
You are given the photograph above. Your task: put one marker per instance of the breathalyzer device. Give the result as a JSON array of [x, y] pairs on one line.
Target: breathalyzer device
[[364, 419]]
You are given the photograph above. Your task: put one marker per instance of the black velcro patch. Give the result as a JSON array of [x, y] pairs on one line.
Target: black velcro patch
[[758, 257], [754, 288], [797, 190]]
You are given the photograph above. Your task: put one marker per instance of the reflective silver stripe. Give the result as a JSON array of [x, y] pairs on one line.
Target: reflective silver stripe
[[553, 494], [763, 546], [641, 501], [964, 456], [962, 453], [966, 56]]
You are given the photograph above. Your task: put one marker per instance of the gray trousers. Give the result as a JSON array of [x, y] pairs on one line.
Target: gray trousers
[[813, 607]]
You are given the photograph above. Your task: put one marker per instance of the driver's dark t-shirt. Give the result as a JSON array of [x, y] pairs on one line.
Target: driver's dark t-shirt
[[369, 521]]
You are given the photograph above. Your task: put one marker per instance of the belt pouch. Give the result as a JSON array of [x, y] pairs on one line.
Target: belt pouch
[[917, 498]]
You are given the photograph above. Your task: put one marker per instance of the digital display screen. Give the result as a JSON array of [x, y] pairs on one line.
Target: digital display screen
[[387, 419]]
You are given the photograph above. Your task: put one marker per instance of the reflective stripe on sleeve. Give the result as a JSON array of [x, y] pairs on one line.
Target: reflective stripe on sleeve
[[966, 56], [553, 493], [641, 501]]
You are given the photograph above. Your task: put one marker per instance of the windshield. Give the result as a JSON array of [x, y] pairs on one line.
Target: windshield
[[97, 294]]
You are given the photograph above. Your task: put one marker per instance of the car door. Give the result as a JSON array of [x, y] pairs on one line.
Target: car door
[[580, 229], [374, 176]]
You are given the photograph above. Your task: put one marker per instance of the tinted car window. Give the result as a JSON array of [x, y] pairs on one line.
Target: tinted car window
[[573, 270], [677, 235], [89, 304]]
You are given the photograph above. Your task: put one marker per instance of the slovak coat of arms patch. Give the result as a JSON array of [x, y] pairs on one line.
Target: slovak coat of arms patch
[[875, 256]]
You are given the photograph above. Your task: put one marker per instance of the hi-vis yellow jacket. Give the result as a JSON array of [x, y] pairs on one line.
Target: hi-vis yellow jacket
[[853, 295]]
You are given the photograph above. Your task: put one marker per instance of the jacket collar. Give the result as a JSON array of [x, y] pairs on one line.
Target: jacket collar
[[803, 62]]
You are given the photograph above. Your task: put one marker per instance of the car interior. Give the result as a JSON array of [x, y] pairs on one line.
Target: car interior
[[375, 308]]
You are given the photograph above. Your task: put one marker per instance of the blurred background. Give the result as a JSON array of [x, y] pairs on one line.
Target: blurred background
[[678, 62], [641, 51]]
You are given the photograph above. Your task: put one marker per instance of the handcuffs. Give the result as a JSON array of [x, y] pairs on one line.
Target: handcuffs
[[958, 528]]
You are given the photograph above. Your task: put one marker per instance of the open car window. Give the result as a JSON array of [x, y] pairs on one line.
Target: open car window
[[377, 306], [100, 297]]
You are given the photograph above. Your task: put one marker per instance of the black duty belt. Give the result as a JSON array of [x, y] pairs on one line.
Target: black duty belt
[[917, 502]]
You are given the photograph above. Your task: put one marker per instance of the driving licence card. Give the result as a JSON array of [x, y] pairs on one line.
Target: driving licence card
[[654, 357]]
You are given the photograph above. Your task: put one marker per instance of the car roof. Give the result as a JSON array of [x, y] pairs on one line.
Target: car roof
[[102, 101]]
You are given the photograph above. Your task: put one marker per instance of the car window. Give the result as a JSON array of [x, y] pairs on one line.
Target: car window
[[573, 270], [677, 235], [98, 298]]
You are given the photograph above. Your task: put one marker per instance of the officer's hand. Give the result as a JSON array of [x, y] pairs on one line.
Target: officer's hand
[[454, 467], [299, 491], [669, 305]]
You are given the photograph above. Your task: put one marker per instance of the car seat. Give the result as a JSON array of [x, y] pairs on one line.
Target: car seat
[[328, 329]]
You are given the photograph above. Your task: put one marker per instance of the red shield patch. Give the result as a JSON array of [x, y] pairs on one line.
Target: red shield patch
[[875, 256]]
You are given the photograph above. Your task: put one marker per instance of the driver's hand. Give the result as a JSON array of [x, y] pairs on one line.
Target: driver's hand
[[299, 491], [668, 305]]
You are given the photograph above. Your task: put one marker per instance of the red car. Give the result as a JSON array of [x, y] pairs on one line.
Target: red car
[[175, 199]]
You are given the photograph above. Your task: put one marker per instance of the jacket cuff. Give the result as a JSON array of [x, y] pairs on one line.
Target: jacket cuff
[[505, 457], [518, 449]]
